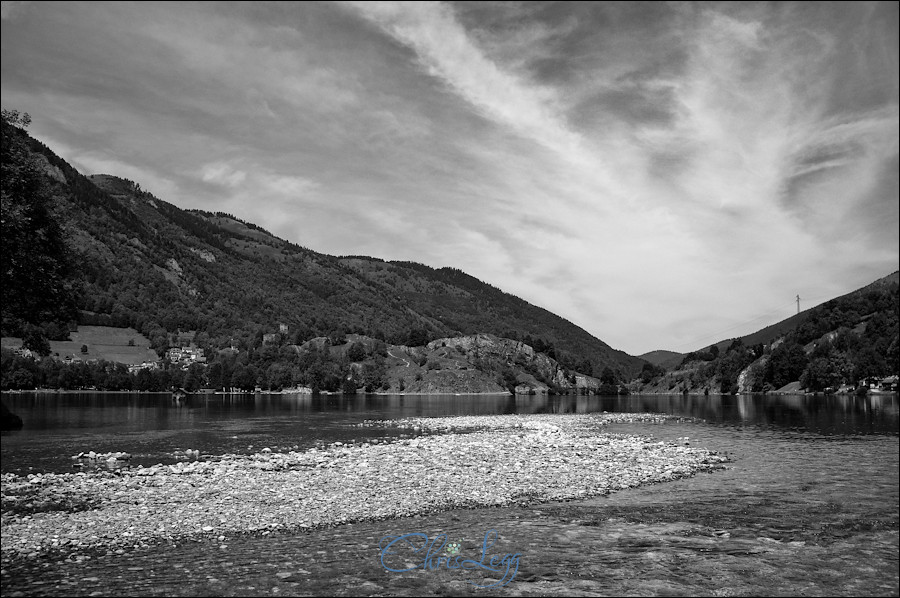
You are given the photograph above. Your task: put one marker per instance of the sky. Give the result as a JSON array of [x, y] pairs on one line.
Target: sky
[[663, 175]]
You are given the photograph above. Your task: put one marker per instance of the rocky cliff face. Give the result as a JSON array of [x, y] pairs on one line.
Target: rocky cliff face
[[452, 382], [502, 358], [502, 351]]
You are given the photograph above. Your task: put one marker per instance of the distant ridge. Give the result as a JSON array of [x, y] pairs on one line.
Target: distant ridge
[[663, 358]]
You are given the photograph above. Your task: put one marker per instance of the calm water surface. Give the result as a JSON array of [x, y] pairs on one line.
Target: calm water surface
[[154, 429], [808, 506]]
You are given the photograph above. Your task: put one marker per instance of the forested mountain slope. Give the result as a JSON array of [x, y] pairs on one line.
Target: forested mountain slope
[[142, 262], [839, 343]]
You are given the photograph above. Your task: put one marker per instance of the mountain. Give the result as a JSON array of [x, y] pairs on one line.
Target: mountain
[[142, 262], [662, 358], [847, 339]]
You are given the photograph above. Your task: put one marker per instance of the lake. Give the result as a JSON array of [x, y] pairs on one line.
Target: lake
[[808, 505]]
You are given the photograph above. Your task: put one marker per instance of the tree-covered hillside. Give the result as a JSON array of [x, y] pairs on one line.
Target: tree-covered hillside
[[38, 279], [841, 342], [145, 263]]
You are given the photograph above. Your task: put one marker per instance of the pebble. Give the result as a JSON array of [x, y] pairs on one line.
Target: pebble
[[92, 456], [502, 460]]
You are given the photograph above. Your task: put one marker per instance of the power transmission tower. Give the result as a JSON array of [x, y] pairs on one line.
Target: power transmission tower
[[798, 304]]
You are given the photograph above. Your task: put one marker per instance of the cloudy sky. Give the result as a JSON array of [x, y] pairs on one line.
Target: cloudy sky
[[662, 175]]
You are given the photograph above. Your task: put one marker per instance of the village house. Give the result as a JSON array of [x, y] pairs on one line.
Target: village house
[[185, 355], [889, 384], [147, 365], [886, 384]]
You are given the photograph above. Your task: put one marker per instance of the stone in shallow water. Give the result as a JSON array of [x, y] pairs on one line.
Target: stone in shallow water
[[293, 576]]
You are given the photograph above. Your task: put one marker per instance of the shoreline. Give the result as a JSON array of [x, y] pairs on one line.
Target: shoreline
[[52, 391], [508, 460]]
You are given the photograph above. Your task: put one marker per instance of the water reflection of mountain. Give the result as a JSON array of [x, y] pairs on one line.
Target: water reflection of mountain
[[874, 414], [824, 414]]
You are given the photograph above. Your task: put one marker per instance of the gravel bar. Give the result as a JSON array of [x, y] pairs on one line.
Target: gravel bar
[[501, 460]]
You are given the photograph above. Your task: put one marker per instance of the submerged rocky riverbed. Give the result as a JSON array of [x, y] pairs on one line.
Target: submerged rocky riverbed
[[492, 461]]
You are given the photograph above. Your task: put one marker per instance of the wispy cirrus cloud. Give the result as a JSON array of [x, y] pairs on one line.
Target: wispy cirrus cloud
[[743, 116], [447, 51]]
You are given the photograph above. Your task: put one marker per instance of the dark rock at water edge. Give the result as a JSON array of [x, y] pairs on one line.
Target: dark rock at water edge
[[8, 419]]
